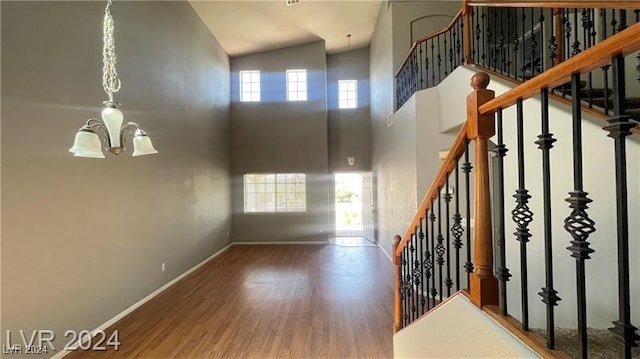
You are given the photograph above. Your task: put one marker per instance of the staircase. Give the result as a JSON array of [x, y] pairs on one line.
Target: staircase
[[584, 78]]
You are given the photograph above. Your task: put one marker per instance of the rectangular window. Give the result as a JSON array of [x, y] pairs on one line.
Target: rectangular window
[[275, 192], [250, 86], [347, 93], [296, 85]]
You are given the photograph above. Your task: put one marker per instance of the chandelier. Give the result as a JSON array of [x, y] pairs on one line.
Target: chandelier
[[89, 139]]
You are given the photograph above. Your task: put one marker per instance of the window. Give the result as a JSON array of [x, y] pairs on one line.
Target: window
[[347, 93], [250, 86], [275, 192], [296, 85]]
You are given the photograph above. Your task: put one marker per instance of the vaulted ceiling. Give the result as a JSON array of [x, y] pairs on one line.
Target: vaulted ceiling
[[250, 26]]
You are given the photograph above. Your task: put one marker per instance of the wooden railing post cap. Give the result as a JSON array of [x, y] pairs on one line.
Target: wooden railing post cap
[[480, 126], [480, 81]]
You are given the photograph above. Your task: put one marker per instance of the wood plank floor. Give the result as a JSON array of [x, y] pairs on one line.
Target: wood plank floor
[[271, 301]]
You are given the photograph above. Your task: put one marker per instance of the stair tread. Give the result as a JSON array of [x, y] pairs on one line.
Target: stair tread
[[629, 102]]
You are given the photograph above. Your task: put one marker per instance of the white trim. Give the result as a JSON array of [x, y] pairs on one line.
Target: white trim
[[277, 242], [142, 301], [385, 252]]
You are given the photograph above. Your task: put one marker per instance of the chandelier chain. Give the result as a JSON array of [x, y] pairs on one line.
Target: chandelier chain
[[110, 79]]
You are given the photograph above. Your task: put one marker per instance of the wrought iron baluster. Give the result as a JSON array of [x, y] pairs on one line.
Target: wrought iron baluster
[[427, 260], [553, 45], [502, 270], [456, 229], [534, 45], [623, 20], [440, 246], [466, 168], [421, 68], [576, 42], [614, 22], [451, 44], [417, 273], [433, 68], [524, 50], [475, 39], [567, 34], [412, 273], [522, 216], [540, 58], [426, 63], [432, 218], [421, 264], [587, 25], [501, 43], [483, 56], [447, 226], [404, 287], [492, 34], [619, 128], [444, 47], [509, 39], [605, 68], [439, 61], [578, 223], [548, 294]]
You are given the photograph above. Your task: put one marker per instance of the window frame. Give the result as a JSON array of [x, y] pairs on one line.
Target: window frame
[[274, 193], [254, 91], [301, 95], [347, 97]]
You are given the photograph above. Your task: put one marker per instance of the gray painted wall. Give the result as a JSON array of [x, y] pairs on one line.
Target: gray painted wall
[[399, 140], [349, 129], [83, 239], [279, 136]]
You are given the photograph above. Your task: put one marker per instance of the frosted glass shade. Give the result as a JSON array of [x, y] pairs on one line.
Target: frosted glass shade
[[142, 144], [112, 118], [87, 144]]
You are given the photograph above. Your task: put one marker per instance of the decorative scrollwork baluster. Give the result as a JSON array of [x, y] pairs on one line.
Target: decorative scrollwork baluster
[[457, 229], [466, 168], [440, 247], [578, 223], [432, 219], [522, 216]]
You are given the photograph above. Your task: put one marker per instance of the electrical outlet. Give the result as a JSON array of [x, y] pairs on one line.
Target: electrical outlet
[[163, 267]]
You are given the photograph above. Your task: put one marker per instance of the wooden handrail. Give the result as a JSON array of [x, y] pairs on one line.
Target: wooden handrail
[[616, 4], [622, 43], [430, 36], [457, 149]]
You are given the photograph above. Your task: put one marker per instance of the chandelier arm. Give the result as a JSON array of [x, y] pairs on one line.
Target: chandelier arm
[[127, 131], [99, 129]]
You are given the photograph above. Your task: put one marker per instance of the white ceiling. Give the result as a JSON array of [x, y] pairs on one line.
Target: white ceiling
[[249, 26]]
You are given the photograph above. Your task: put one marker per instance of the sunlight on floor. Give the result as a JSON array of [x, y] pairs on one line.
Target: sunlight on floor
[[351, 242]]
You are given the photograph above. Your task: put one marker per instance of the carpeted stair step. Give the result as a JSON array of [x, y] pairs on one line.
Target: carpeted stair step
[[629, 102], [567, 87], [587, 93]]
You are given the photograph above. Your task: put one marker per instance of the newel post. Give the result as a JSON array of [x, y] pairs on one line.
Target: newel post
[[397, 279], [483, 286], [466, 13]]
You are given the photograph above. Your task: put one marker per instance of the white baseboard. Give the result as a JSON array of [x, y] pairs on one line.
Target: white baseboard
[[142, 301], [276, 242]]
